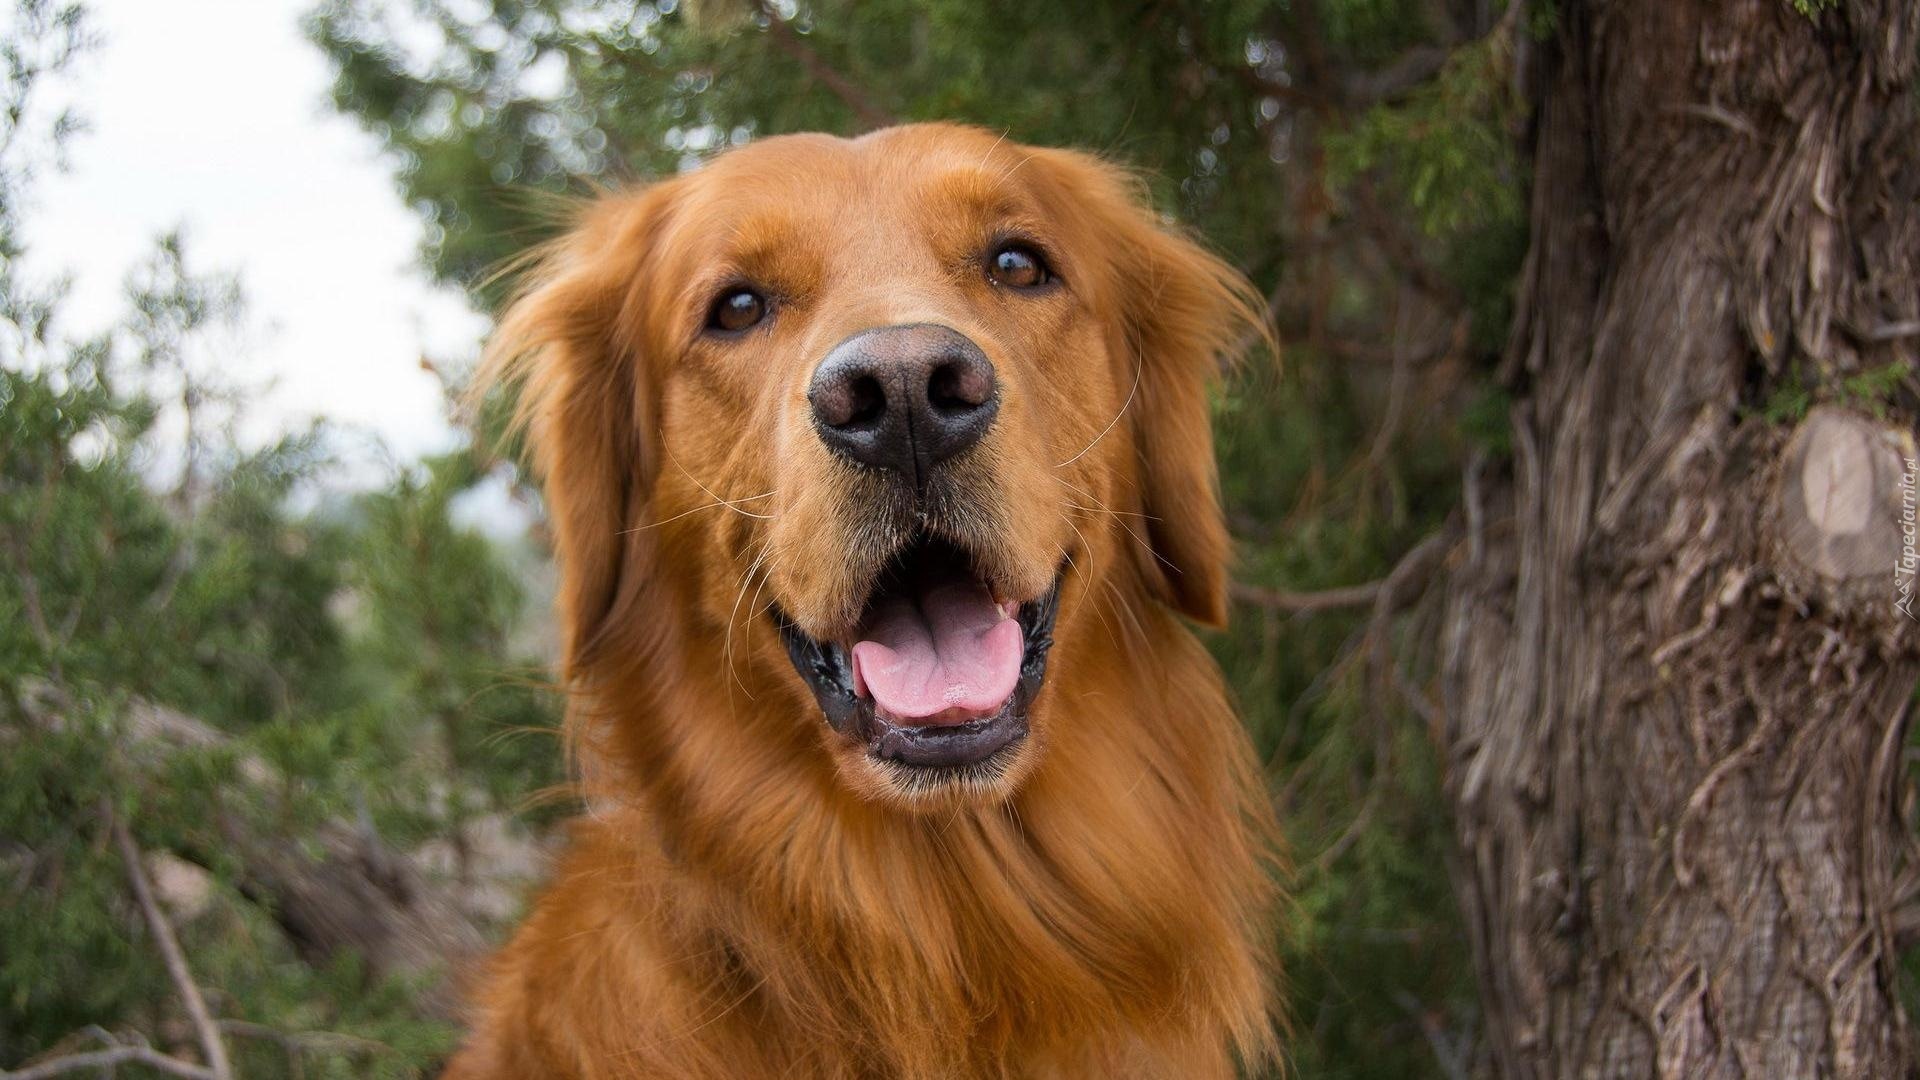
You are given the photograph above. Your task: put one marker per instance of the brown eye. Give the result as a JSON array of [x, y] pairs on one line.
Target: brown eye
[[1018, 267], [737, 310]]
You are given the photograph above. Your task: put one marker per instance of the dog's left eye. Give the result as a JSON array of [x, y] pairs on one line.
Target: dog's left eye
[[1018, 267], [737, 310]]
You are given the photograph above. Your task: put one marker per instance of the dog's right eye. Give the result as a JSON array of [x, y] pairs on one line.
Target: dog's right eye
[[737, 310], [1018, 267]]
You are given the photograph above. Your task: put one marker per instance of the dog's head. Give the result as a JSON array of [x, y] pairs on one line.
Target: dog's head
[[854, 416]]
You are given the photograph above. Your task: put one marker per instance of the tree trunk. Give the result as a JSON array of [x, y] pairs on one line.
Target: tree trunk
[[1676, 675]]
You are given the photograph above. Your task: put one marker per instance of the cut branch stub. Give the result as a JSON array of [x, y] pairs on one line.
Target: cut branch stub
[[1839, 510]]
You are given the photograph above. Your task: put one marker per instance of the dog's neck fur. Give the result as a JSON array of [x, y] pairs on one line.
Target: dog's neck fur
[[1122, 889]]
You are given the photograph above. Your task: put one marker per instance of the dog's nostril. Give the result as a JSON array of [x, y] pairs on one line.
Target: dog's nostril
[[849, 401], [959, 387], [866, 401]]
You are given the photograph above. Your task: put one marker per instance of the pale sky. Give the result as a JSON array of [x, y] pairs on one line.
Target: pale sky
[[212, 115]]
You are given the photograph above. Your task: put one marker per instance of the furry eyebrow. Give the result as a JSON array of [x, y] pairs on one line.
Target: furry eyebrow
[[757, 248], [980, 193], [756, 238]]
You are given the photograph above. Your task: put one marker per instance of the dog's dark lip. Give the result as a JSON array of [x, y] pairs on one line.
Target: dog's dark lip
[[827, 669], [948, 746]]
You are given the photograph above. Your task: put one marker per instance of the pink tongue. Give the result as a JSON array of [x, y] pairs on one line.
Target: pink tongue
[[954, 649]]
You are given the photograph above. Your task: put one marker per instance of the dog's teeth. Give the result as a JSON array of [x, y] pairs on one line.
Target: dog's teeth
[[1010, 608]]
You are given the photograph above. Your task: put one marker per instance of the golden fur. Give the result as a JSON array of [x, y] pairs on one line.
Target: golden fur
[[748, 895]]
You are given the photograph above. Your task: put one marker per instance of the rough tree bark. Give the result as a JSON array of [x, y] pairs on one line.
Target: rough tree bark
[[1676, 680]]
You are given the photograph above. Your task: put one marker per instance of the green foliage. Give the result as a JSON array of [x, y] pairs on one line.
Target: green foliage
[[118, 596], [1543, 19], [185, 654], [1805, 386], [1487, 421], [1372, 957], [1874, 388], [437, 607], [1446, 145], [1788, 403], [215, 599]]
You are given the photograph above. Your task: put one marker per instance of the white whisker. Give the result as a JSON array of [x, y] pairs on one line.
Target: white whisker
[[711, 494], [703, 506], [753, 605], [1099, 506], [1124, 406], [1119, 517], [1012, 168], [991, 149], [1068, 556], [727, 650], [1132, 619], [1115, 513]]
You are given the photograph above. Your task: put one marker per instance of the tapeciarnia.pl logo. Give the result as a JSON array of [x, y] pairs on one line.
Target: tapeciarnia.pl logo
[[1903, 570]]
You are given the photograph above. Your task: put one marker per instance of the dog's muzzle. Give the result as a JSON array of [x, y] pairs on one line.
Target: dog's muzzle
[[937, 675]]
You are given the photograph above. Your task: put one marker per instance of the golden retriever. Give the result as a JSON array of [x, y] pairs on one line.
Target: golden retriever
[[880, 476]]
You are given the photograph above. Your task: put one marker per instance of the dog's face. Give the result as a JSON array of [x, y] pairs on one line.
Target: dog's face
[[864, 412]]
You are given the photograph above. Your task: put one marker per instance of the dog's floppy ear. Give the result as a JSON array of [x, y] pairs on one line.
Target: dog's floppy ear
[[570, 349], [1184, 315]]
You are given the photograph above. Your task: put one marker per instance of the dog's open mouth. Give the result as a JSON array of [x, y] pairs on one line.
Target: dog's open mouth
[[938, 675]]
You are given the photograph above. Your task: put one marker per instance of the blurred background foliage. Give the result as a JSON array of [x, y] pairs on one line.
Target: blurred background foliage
[[286, 699]]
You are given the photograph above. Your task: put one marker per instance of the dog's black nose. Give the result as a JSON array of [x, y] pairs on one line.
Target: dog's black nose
[[904, 398]]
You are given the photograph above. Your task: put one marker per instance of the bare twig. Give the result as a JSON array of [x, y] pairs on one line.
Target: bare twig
[[1383, 439], [119, 1050], [30, 601], [1476, 510], [133, 1049], [1308, 603], [1361, 89], [1359, 822], [791, 43], [1450, 1054], [1405, 584], [1718, 115], [107, 1059], [1906, 925], [211, 1044], [1402, 250], [297, 1044], [1894, 331], [1398, 590], [337, 1042]]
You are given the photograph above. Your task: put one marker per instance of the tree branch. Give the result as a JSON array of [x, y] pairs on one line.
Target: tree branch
[[1361, 89], [1308, 603], [337, 1042], [107, 1059], [1894, 331], [203, 1024], [791, 43], [296, 1044], [1400, 248], [1406, 583]]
